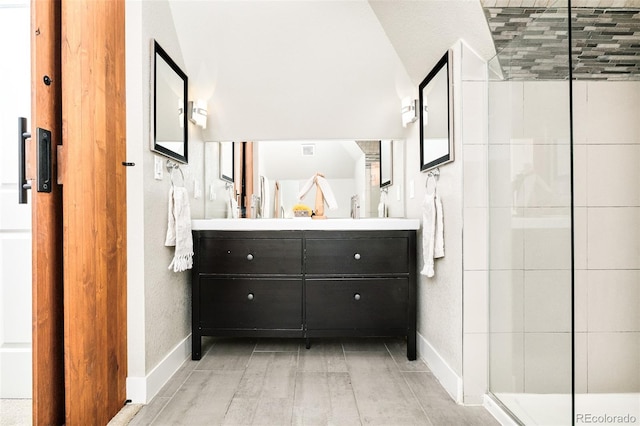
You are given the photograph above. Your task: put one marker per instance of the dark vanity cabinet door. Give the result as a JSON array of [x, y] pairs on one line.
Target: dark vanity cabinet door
[[246, 284], [363, 253], [259, 253], [367, 304], [234, 303], [361, 283]]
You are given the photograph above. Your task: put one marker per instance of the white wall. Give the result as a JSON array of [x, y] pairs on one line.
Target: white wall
[[159, 311], [452, 306], [440, 297]]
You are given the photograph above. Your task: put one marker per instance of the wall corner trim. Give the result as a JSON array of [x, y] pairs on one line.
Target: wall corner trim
[[447, 377], [141, 390]]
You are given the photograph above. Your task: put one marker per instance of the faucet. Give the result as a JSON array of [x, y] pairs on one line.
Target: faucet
[[355, 207], [255, 206]]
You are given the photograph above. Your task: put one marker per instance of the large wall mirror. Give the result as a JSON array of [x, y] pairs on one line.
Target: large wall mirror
[[170, 132], [351, 168], [436, 136]]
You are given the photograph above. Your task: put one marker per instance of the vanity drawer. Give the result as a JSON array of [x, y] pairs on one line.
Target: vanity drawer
[[250, 255], [245, 303], [357, 255], [357, 303]]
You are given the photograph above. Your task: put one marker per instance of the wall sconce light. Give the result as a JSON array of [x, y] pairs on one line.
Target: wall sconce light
[[198, 113], [425, 110], [408, 111], [180, 112]]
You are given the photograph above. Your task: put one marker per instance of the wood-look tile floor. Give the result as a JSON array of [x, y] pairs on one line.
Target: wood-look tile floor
[[276, 382]]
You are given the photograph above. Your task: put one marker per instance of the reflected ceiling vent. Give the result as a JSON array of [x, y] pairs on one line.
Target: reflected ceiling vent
[[308, 149]]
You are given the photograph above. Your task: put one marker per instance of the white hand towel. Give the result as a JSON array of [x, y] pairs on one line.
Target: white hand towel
[[432, 232], [179, 229]]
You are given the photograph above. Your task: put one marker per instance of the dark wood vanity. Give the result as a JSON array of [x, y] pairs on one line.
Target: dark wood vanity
[[305, 284]]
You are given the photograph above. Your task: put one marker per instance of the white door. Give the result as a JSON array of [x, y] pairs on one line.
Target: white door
[[15, 219]]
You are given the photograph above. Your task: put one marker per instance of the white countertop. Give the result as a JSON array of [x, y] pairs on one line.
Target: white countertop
[[303, 224]]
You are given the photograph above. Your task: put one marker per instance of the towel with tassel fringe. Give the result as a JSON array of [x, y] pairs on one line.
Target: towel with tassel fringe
[[179, 229]]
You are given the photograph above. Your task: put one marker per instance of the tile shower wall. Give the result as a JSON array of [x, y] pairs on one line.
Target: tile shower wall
[[530, 244], [607, 212], [529, 237]]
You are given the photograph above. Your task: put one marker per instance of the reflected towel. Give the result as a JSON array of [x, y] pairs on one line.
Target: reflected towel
[[322, 182], [179, 229], [432, 232]]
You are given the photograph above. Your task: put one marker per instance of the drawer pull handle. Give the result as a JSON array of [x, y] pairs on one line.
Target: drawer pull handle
[[249, 256], [356, 256], [356, 296], [250, 296]]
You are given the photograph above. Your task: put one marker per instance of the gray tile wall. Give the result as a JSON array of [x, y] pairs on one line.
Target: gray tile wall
[[532, 40]]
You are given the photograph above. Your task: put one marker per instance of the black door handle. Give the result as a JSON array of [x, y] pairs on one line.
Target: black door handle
[[44, 160], [23, 185]]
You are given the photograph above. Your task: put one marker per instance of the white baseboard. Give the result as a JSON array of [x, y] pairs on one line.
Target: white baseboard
[[451, 382], [496, 411], [140, 390]]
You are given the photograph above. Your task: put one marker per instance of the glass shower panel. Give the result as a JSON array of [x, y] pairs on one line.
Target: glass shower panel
[[606, 101], [530, 223]]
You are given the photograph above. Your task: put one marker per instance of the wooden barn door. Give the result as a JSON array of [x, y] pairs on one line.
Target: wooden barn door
[[94, 209], [79, 227]]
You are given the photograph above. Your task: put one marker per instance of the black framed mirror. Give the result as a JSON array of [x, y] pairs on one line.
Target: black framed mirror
[[436, 116], [170, 85], [386, 163]]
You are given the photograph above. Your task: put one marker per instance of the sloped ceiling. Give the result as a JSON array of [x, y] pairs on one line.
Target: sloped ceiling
[[320, 68], [422, 30], [291, 69]]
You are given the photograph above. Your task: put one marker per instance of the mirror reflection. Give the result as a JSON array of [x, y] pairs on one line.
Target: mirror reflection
[[386, 163], [226, 161], [352, 169], [170, 106]]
